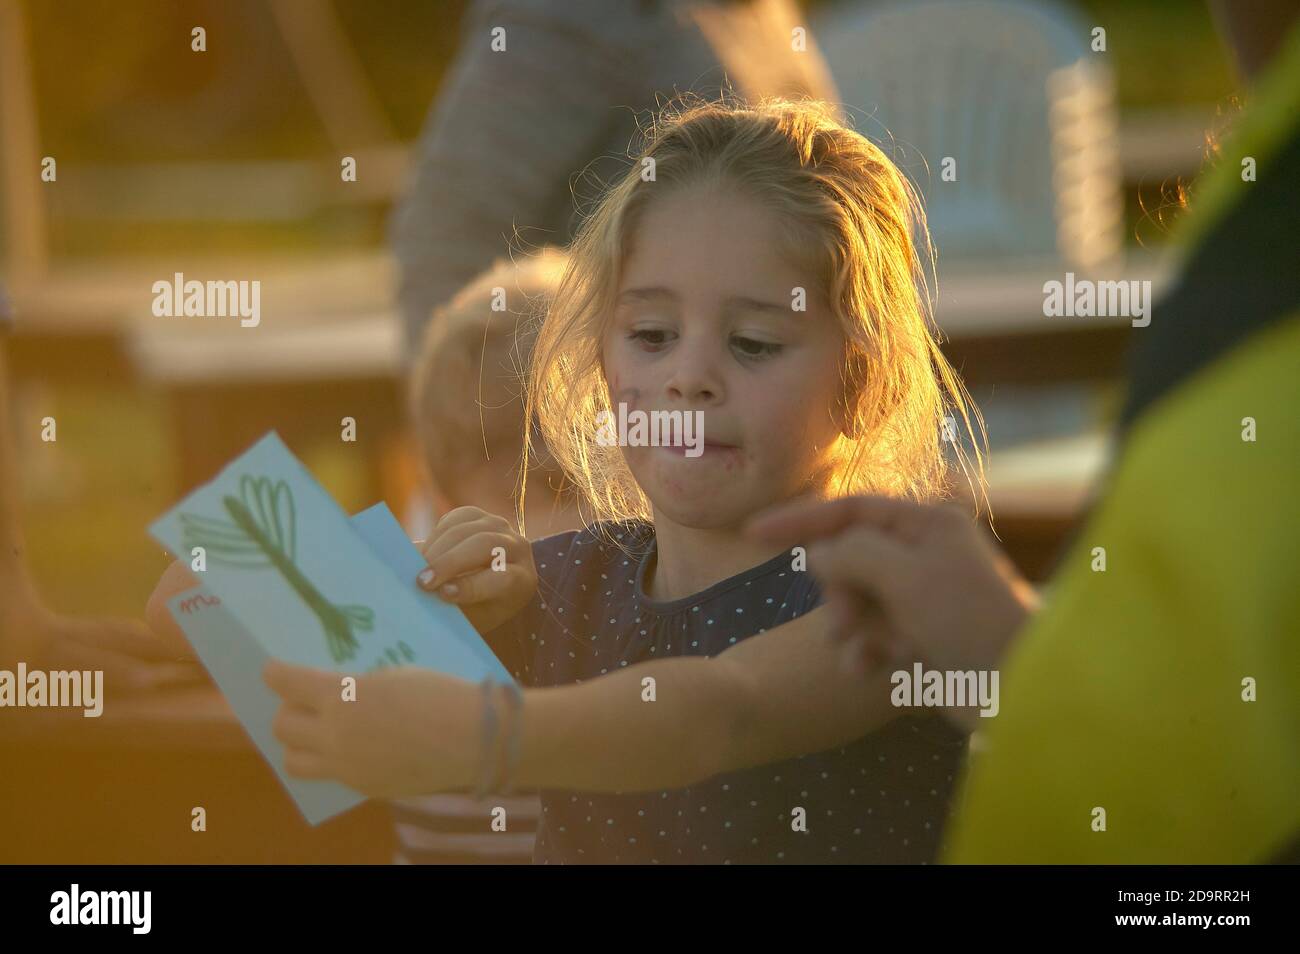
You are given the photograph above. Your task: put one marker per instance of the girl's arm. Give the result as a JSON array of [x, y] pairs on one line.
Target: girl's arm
[[658, 724], [773, 696]]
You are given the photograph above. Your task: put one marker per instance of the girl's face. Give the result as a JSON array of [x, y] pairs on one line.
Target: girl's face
[[705, 321]]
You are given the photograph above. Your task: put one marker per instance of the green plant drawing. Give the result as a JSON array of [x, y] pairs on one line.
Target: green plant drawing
[[264, 533]]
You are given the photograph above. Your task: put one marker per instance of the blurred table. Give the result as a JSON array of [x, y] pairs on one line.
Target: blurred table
[[991, 315], [327, 347], [120, 789]]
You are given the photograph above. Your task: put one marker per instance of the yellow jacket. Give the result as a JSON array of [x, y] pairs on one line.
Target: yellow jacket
[[1164, 691]]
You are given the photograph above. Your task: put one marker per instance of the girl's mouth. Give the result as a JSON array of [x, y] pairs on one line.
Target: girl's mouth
[[706, 449]]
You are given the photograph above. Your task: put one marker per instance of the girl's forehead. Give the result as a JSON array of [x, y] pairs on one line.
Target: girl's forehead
[[710, 247], [755, 293]]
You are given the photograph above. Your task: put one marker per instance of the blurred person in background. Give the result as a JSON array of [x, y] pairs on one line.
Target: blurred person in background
[[1164, 689], [467, 397], [516, 136]]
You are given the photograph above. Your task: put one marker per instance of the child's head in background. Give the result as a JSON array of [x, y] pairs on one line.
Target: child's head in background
[[467, 392], [766, 266]]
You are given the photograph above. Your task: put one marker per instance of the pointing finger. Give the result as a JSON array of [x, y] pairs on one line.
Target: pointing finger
[[812, 519]]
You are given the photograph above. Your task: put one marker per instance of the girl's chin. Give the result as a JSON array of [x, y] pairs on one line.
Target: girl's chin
[[714, 508], [691, 488], [702, 497]]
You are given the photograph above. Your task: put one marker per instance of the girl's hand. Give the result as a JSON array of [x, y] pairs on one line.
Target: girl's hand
[[479, 562], [408, 731], [941, 586]]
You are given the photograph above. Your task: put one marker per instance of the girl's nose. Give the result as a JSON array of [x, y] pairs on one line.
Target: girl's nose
[[695, 377]]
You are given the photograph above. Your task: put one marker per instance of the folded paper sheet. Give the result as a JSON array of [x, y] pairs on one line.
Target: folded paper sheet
[[289, 576]]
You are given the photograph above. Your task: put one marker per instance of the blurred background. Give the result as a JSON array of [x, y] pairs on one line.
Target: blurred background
[[226, 165]]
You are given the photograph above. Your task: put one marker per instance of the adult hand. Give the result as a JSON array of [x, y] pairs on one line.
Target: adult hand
[[944, 590], [130, 657]]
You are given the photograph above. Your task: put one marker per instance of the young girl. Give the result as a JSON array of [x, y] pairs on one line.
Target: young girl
[[684, 701]]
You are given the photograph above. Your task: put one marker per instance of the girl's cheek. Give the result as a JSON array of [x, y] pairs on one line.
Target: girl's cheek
[[791, 412], [619, 394], [787, 401]]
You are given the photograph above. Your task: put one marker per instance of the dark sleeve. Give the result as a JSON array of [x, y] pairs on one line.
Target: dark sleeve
[[509, 642], [516, 642], [503, 138]]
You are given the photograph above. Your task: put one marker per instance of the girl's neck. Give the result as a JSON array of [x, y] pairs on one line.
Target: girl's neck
[[690, 560]]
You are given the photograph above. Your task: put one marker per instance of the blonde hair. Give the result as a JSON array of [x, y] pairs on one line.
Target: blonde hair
[[467, 392], [865, 226]]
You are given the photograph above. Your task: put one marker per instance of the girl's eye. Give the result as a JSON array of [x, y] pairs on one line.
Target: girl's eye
[[753, 348], [654, 337]]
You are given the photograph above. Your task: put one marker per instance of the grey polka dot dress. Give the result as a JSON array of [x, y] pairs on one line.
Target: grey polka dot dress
[[881, 799]]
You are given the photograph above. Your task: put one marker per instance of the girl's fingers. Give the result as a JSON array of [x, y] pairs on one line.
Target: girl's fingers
[[463, 516], [457, 516], [297, 728], [440, 544], [440, 541], [479, 587], [479, 552]]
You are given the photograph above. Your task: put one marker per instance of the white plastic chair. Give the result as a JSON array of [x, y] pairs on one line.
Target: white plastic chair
[[1013, 92]]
